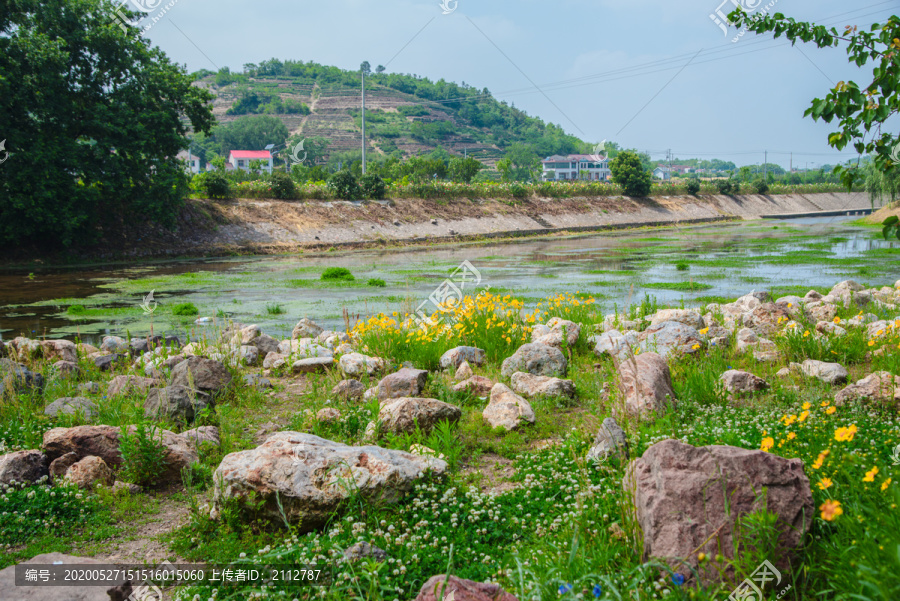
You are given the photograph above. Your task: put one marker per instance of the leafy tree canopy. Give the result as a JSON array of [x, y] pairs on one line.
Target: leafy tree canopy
[[629, 172]]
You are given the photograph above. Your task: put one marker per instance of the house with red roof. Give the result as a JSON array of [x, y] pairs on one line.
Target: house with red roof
[[242, 159]]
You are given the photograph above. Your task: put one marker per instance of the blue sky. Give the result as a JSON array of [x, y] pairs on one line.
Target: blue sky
[[733, 101]]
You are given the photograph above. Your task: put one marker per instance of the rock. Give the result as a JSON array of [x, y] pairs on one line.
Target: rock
[[364, 550], [529, 386], [26, 349], [114, 344], [357, 364], [670, 338], [830, 373], [247, 355], [122, 590], [72, 406], [306, 349], [404, 383], [89, 388], [439, 588], [764, 319], [23, 466], [19, 377], [305, 328], [332, 339], [249, 333], [455, 356], [738, 383], [829, 327], [109, 362], [684, 316], [61, 350], [120, 487], [313, 476], [403, 415], [879, 328], [203, 434], [682, 509], [647, 383], [784, 372], [610, 440], [312, 365], [258, 382], [792, 305], [66, 369], [821, 311], [128, 385], [847, 291], [328, 415], [812, 295], [616, 344], [420, 449], [767, 356], [551, 334], [275, 360], [463, 372], [90, 471], [506, 409], [747, 340], [172, 361], [175, 403], [61, 465], [265, 344], [205, 375], [880, 387], [349, 390], [537, 359], [477, 385]]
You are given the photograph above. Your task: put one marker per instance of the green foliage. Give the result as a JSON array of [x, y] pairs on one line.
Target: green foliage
[[255, 102], [338, 273], [725, 186], [185, 309], [282, 185], [881, 184], [760, 186], [628, 171], [891, 225], [413, 110], [76, 310], [682, 266], [464, 169], [692, 186], [344, 185], [214, 184], [274, 309], [30, 510], [376, 282], [245, 133], [84, 158], [372, 186], [143, 454]]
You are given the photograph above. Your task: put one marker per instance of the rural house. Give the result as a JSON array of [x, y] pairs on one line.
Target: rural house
[[241, 159], [592, 167]]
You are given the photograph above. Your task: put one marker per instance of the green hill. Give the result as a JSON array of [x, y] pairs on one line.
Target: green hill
[[406, 115]]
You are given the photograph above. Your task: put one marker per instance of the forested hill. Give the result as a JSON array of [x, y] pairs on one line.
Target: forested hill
[[405, 114]]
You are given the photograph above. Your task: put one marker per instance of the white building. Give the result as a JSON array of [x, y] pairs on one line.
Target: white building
[[191, 161], [241, 159], [661, 173], [589, 167]]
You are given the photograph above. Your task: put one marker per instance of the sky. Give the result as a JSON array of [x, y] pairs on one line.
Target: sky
[[648, 74]]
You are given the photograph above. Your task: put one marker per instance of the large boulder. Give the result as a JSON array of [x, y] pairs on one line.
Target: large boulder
[[737, 383], [552, 333], [265, 344], [537, 359], [60, 350], [179, 404], [114, 344], [440, 588], [72, 406], [404, 383], [455, 356], [684, 316], [349, 390], [671, 338], [830, 373], [357, 364], [310, 477], [881, 387], [846, 291], [312, 365], [23, 466], [616, 344], [647, 383], [305, 328], [128, 385], [90, 471], [610, 440], [529, 385], [404, 415], [688, 500], [205, 375], [506, 409]]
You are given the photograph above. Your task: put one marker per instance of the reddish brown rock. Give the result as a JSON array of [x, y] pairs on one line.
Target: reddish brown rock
[[477, 385], [647, 383], [880, 387], [22, 466], [404, 383], [438, 588], [89, 472]]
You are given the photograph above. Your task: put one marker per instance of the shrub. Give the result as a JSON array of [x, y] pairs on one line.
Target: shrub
[[628, 171], [76, 310], [185, 309], [681, 266], [215, 184], [344, 185], [692, 186], [31, 511], [724, 186], [372, 186], [338, 273], [282, 185], [760, 186], [377, 282], [143, 454], [274, 309], [518, 190]]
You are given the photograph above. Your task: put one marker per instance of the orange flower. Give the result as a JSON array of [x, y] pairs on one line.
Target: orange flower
[[831, 509], [831, 410], [885, 484], [791, 436], [821, 459], [824, 483], [767, 443], [870, 475], [845, 434]]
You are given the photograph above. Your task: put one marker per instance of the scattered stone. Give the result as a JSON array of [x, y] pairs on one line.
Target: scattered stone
[[529, 385], [684, 316], [880, 387], [66, 369], [830, 373], [275, 360], [205, 375], [537, 359], [312, 365], [247, 355], [616, 344], [72, 406], [682, 508], [647, 384], [122, 590], [463, 372], [610, 440], [506, 409], [349, 390], [784, 372], [128, 385], [829, 327], [120, 487], [176, 403], [23, 466], [19, 377], [477, 385], [61, 350], [405, 415], [256, 381], [455, 356], [313, 476], [265, 344], [109, 362], [114, 344], [61, 465], [404, 383], [765, 319], [363, 550], [357, 364], [440, 587], [88, 472], [328, 415], [551, 334], [737, 383], [669, 338], [89, 388], [305, 328], [821, 311]]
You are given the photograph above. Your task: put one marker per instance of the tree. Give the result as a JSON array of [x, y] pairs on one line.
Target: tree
[[628, 171], [365, 67], [379, 69], [93, 118], [464, 169], [250, 133], [860, 111], [523, 163]]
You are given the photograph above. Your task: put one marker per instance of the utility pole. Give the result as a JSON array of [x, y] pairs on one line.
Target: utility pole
[[766, 167], [363, 121], [792, 162]]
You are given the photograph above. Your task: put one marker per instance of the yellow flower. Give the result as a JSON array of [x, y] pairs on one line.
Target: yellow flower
[[767, 443], [824, 483], [885, 484], [837, 320], [845, 434], [825, 403], [704, 331], [870, 475], [830, 510], [821, 459], [791, 436], [806, 333], [806, 406], [695, 347], [871, 343], [803, 415], [831, 410], [788, 419]]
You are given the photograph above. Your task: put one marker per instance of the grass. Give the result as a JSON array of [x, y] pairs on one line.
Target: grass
[[275, 309], [677, 286], [337, 273], [185, 309]]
